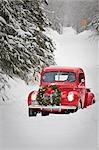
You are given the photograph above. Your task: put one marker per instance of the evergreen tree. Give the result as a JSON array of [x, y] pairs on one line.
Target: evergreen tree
[[23, 43], [70, 13]]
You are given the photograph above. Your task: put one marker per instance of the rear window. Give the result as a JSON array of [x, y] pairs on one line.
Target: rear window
[[59, 76]]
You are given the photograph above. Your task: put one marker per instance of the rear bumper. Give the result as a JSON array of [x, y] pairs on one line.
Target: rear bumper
[[52, 108]]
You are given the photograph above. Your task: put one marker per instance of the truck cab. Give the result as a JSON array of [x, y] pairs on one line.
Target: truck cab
[[62, 90]]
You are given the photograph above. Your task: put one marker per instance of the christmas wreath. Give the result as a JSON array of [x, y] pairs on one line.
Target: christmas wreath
[[49, 95]]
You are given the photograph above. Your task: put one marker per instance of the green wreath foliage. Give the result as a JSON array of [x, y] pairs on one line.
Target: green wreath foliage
[[49, 99]]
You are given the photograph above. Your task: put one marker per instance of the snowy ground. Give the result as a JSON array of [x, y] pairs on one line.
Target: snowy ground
[[72, 132], [78, 131]]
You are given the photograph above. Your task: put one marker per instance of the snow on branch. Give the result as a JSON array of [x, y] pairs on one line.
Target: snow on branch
[[23, 43]]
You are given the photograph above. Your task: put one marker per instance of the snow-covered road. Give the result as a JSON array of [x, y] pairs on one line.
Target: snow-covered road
[[72, 132], [77, 131]]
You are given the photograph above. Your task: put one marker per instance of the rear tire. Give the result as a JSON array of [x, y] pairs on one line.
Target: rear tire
[[73, 110], [32, 112], [93, 101], [66, 111]]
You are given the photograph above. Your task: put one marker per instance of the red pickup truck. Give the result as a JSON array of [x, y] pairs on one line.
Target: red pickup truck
[[62, 90]]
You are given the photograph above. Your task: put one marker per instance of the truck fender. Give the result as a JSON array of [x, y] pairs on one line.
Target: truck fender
[[89, 99]]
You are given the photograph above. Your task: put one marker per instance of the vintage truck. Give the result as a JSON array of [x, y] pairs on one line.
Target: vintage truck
[[62, 90]]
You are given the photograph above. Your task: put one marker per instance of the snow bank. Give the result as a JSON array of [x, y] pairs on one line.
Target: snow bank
[[17, 90], [73, 132]]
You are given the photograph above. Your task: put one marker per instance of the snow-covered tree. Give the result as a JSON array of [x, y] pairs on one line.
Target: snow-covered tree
[[23, 43], [24, 46], [65, 13]]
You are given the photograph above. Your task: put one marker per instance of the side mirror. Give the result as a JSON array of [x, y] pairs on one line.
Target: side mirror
[[88, 90], [82, 82]]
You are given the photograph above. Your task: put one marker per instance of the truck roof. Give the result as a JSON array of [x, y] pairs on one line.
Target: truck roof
[[62, 68]]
